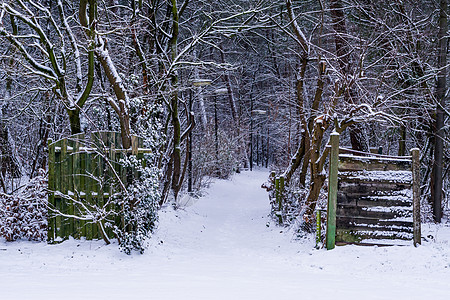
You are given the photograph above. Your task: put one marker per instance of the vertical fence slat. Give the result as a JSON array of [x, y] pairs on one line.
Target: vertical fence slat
[[95, 187], [89, 182], [83, 191], [99, 191], [110, 207], [58, 189], [77, 186], [332, 191], [70, 187], [51, 192], [64, 189], [416, 196]]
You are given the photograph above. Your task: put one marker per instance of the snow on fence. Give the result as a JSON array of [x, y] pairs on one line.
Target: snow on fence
[[372, 199], [84, 177]]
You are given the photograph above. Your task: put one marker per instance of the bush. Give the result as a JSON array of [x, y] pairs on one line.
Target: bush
[[140, 208], [24, 215]]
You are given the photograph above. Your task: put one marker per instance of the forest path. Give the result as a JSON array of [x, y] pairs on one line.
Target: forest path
[[231, 221]]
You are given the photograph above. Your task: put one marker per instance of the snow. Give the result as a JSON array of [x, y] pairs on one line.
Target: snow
[[224, 246]]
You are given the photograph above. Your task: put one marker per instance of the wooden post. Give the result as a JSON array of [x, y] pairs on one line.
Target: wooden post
[[318, 228], [332, 191], [51, 191], [415, 153]]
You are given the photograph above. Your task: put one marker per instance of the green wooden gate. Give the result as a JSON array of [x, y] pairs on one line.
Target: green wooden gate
[[85, 180], [373, 199]]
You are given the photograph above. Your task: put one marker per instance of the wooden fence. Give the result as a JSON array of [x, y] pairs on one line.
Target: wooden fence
[[85, 174], [372, 197]]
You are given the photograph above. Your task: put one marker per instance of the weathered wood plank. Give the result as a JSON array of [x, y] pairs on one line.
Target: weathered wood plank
[[89, 184], [76, 187], [65, 227], [58, 176], [70, 188], [375, 200], [51, 193], [99, 188], [377, 177], [361, 223], [356, 236], [360, 163], [83, 180], [378, 212], [343, 150], [371, 192]]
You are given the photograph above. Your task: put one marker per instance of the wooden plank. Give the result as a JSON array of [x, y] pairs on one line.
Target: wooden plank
[[89, 183], [332, 191], [76, 167], [358, 163], [416, 195], [368, 244], [95, 188], [377, 177], [343, 150], [83, 188], [350, 236], [111, 179], [70, 188], [373, 212], [51, 192], [397, 199], [58, 176], [99, 190], [356, 188], [362, 223], [58, 220], [64, 190]]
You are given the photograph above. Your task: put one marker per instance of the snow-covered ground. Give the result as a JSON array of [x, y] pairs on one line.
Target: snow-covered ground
[[224, 246]]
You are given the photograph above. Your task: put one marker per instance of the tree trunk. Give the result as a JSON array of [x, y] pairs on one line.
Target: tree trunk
[[343, 54], [440, 97], [176, 151], [74, 119]]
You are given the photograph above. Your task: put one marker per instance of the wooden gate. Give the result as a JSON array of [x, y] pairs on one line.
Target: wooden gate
[[85, 174], [373, 199]]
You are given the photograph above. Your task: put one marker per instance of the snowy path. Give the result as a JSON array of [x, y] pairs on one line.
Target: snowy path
[[221, 248]]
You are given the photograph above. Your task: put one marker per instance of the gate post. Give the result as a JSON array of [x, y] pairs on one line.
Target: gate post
[[415, 153], [332, 191]]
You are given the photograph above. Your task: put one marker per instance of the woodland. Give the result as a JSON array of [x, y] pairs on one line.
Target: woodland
[[216, 87]]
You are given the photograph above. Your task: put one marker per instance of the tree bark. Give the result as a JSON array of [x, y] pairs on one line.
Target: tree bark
[[343, 55], [441, 88]]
